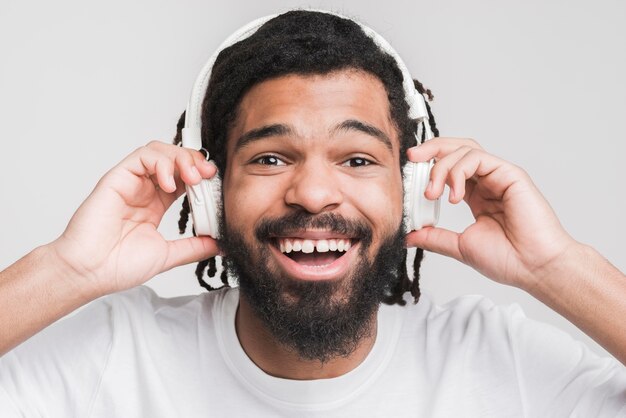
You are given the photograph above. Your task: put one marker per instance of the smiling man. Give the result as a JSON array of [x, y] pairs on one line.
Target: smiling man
[[309, 127], [319, 157]]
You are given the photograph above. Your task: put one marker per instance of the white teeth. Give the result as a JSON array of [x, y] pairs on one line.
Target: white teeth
[[307, 246], [322, 246]]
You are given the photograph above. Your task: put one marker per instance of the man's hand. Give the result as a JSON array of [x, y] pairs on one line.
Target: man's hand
[[518, 240], [516, 235], [112, 243]]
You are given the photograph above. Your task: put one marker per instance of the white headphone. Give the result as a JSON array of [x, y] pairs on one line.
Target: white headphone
[[205, 197]]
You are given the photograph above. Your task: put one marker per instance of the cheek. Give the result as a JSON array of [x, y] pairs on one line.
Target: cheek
[[247, 199], [381, 202]]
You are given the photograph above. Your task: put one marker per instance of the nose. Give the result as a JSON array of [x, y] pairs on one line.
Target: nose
[[314, 188]]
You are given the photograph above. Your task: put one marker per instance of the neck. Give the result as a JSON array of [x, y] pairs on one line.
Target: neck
[[277, 360]]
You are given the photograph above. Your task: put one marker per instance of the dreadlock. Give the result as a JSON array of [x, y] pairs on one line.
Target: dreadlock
[[304, 43]]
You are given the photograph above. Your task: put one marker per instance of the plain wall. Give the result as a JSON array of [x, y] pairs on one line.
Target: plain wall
[[539, 83]]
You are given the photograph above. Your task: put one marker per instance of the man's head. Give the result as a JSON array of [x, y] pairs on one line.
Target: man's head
[[307, 123], [314, 161]]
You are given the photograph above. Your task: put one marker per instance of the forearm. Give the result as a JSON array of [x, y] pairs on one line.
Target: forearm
[[591, 293], [36, 291]]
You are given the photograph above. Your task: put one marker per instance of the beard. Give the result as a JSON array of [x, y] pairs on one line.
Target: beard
[[317, 320]]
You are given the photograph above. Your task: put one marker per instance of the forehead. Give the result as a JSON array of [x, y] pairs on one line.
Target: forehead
[[313, 103]]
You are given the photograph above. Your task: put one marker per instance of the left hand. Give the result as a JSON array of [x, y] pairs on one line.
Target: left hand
[[516, 235]]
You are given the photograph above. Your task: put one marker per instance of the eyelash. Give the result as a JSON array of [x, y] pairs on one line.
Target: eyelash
[[267, 157], [364, 161]]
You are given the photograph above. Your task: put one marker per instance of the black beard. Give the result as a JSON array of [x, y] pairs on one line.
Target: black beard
[[316, 320]]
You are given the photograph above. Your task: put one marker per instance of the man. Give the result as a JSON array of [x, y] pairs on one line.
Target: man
[[308, 126]]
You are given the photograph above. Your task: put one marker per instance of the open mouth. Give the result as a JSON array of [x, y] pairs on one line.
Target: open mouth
[[314, 252], [314, 259]]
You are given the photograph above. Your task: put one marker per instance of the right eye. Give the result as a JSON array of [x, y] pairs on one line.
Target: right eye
[[268, 160]]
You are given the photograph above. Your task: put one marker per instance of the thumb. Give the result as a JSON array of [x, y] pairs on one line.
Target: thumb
[[437, 240], [188, 250]]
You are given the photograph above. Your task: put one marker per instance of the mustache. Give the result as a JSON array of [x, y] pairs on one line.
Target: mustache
[[269, 228]]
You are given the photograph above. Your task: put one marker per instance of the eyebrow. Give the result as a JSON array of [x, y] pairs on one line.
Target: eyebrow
[[266, 131], [357, 125], [279, 129]]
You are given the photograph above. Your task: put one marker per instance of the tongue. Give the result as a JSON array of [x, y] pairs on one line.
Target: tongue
[[314, 258]]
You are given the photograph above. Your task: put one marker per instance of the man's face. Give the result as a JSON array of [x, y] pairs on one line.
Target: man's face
[[313, 198]]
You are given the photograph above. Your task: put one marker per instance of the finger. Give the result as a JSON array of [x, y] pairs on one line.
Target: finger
[[190, 163], [439, 172], [165, 175], [153, 164], [438, 148], [187, 169], [492, 172], [188, 250], [463, 170], [162, 162], [158, 162], [206, 168], [437, 240]]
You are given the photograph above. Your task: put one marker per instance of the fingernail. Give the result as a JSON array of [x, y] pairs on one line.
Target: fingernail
[[195, 171], [171, 182]]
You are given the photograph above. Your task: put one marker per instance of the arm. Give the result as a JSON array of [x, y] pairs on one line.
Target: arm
[[110, 244], [590, 292], [517, 240], [35, 292]]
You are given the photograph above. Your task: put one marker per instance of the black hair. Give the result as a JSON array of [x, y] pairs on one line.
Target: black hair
[[304, 43]]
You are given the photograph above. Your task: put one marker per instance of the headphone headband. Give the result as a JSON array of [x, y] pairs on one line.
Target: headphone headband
[[191, 133]]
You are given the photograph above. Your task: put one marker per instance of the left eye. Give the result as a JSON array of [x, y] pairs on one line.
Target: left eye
[[357, 162], [269, 160]]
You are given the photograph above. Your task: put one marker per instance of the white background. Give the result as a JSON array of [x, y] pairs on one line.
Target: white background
[[540, 83]]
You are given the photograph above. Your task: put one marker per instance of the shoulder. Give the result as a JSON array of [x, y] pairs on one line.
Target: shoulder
[[143, 305], [482, 341], [478, 320], [145, 298], [467, 327], [461, 318]]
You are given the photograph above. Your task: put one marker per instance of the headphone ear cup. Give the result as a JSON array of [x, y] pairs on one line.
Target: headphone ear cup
[[205, 201], [418, 210]]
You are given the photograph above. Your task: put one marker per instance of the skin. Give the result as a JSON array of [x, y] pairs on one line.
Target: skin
[[317, 169], [516, 238]]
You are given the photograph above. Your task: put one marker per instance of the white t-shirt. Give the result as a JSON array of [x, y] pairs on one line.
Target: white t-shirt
[[134, 354]]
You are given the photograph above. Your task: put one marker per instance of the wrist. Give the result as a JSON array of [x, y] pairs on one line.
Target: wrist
[[36, 291], [71, 277], [587, 290], [560, 271]]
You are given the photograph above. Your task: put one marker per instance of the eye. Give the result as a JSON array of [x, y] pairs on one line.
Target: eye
[[268, 160], [357, 162]]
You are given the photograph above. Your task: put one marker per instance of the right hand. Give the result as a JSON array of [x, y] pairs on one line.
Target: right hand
[[112, 242]]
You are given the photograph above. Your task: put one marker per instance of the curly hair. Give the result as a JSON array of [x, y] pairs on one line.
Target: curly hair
[[304, 43]]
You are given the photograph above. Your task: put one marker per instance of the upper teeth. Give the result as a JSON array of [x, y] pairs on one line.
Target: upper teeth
[[288, 245]]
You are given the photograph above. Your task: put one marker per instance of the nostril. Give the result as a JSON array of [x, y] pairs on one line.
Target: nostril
[[314, 194]]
